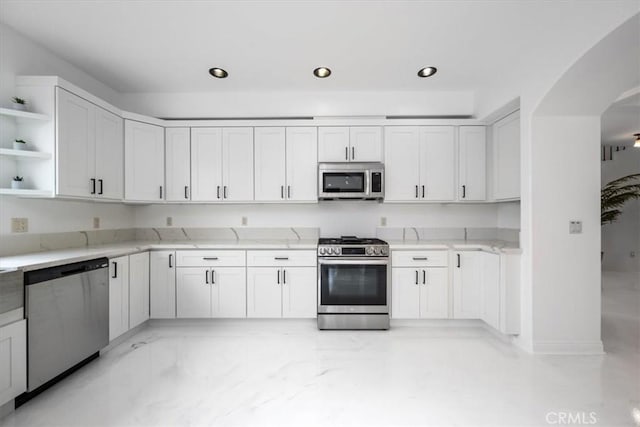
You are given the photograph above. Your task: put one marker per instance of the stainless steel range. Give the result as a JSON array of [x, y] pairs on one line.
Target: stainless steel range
[[354, 283]]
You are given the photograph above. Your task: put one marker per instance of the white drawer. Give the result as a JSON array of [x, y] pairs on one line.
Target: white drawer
[[282, 258], [420, 258], [210, 258]]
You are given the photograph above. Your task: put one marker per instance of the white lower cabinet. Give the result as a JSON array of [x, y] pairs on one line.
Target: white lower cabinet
[[118, 296], [13, 360], [491, 289], [211, 289], [282, 284], [128, 293], [420, 285], [162, 285], [467, 285]]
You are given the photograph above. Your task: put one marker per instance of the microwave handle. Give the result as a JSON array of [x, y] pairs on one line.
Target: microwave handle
[[367, 189]]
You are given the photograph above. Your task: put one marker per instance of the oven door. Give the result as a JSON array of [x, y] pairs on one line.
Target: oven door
[[353, 285], [336, 184]]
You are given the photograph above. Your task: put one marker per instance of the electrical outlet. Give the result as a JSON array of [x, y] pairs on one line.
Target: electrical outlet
[[383, 221], [169, 221], [19, 225], [96, 222], [245, 221], [575, 227]]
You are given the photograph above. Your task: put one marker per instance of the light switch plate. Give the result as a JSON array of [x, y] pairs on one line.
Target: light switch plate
[[169, 221], [575, 227], [96, 222], [19, 225], [245, 220], [383, 221]]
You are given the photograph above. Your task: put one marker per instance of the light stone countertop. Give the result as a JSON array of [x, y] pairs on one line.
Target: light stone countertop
[[38, 260], [494, 246]]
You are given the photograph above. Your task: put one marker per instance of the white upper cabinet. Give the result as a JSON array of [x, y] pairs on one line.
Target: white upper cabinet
[[506, 157], [286, 164], [89, 149], [402, 163], [437, 163], [350, 144], [365, 144], [144, 162], [302, 164], [420, 163], [206, 164], [222, 164], [178, 164], [270, 168], [472, 158]]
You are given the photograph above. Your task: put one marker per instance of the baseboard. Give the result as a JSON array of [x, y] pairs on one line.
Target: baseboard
[[116, 342], [568, 347], [7, 408]]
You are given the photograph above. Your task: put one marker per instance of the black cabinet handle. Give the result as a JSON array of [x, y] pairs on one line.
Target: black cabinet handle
[[278, 277], [218, 192], [284, 276], [93, 186], [213, 277], [346, 153], [101, 186], [420, 258], [282, 191], [423, 191], [353, 153], [161, 192], [224, 192], [186, 191], [210, 258], [417, 276], [458, 260], [170, 260], [115, 270], [288, 191], [206, 277], [464, 191], [424, 277], [416, 191], [281, 258]]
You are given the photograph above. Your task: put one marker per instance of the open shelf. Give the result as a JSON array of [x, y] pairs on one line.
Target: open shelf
[[23, 114], [25, 192], [37, 155]]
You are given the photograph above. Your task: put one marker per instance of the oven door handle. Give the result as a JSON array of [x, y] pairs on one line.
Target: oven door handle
[[350, 260]]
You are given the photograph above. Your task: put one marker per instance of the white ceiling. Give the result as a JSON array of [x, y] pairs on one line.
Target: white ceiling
[[168, 46], [621, 121]]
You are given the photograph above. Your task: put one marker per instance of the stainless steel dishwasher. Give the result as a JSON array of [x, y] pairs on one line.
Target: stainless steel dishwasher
[[67, 311]]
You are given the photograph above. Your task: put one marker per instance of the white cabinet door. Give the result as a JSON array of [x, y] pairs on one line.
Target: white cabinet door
[[270, 168], [228, 292], [144, 161], [434, 293], [109, 155], [299, 291], [506, 157], [206, 164], [138, 289], [437, 163], [402, 163], [75, 145], [467, 285], [237, 166], [118, 296], [405, 293], [333, 144], [178, 164], [193, 292], [365, 144], [264, 292], [162, 284], [13, 360], [491, 289], [302, 164], [472, 159]]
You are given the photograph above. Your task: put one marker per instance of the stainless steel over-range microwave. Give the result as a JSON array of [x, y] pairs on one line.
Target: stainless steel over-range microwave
[[363, 181]]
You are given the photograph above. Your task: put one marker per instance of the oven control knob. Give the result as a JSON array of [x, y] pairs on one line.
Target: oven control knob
[[321, 251], [336, 251], [385, 251], [369, 250], [378, 251]]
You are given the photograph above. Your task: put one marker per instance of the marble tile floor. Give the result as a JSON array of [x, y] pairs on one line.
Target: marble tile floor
[[287, 373]]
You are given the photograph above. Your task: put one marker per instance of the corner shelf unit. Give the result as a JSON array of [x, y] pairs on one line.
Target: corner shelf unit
[[23, 114], [25, 154]]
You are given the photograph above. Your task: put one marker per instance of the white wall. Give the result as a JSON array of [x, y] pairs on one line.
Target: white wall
[[333, 218], [509, 215], [18, 56], [297, 104], [622, 237]]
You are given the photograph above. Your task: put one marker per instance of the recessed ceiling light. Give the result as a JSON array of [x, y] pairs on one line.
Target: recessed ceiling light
[[218, 72], [322, 72], [637, 143], [427, 72]]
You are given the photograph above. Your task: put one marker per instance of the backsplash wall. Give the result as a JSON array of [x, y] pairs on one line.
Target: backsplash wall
[[332, 218]]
